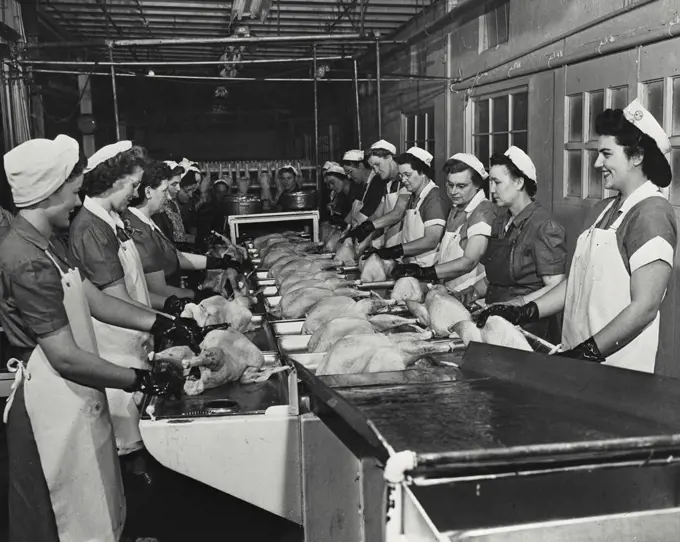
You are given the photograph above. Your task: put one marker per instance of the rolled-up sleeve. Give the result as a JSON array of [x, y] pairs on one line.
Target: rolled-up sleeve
[[651, 235], [37, 289], [96, 253], [432, 211], [550, 249], [480, 220]]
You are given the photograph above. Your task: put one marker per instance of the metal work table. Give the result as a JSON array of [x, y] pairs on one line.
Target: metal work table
[[266, 218]]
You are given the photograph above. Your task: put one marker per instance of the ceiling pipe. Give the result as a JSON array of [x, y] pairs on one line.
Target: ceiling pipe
[[177, 62]]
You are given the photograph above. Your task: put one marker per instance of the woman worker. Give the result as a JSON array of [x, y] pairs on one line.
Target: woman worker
[[65, 480], [468, 228], [382, 160], [371, 203], [624, 257], [160, 258], [345, 193], [425, 216], [288, 177], [526, 253], [169, 219]]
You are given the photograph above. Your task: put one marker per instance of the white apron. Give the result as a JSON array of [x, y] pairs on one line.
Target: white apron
[[413, 228], [357, 217], [598, 289], [124, 347], [450, 250], [392, 236], [73, 434]]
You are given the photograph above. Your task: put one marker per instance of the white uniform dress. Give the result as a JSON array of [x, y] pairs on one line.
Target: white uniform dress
[[427, 209]]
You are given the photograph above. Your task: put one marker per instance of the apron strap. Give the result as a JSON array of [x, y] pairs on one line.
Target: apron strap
[[54, 261], [20, 371]]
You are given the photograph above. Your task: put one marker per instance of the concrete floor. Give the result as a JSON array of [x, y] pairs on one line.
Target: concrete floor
[[186, 511]]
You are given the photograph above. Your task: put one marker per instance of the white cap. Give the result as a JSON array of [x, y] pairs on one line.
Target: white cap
[[336, 169], [522, 161], [171, 164], [637, 115], [384, 145], [188, 165], [472, 161], [37, 168], [289, 166], [353, 155], [106, 153], [326, 165], [421, 154]]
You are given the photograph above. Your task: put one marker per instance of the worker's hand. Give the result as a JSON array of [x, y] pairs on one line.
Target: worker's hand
[[467, 296], [390, 253], [175, 305], [587, 351], [181, 331], [164, 380], [515, 315], [225, 262], [362, 231], [415, 271]]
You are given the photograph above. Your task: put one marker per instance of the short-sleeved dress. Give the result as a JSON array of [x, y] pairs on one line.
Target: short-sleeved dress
[[432, 212]]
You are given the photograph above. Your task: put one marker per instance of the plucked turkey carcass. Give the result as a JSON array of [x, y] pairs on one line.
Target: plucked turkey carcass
[[407, 288], [226, 356], [218, 310], [174, 355], [375, 269], [376, 353], [387, 322], [264, 240], [302, 265], [325, 311], [346, 255], [331, 332], [326, 229], [444, 311], [332, 243], [297, 304], [500, 332], [468, 332]]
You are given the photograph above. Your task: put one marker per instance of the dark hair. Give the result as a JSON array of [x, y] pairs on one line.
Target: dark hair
[[530, 185], [357, 163], [416, 163], [154, 175], [378, 153], [101, 178], [78, 168], [177, 170], [453, 166], [612, 122], [188, 179], [342, 176]]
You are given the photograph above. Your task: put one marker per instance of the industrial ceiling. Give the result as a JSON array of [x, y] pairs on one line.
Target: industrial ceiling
[[95, 21]]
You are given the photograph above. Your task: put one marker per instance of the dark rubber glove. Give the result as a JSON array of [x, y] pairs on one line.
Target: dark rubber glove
[[515, 315], [415, 271], [164, 381], [391, 253], [225, 262], [175, 305], [587, 351], [181, 331], [362, 231]]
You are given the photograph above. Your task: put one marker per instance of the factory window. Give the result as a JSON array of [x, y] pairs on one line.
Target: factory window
[[494, 25], [418, 130], [662, 98], [582, 179], [418, 60], [498, 122]]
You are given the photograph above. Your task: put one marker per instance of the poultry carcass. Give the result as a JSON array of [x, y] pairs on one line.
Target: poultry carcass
[[372, 305], [297, 304], [468, 332], [325, 231], [346, 255], [325, 311], [302, 265], [444, 312], [387, 322], [500, 332], [226, 356], [333, 240], [375, 269], [331, 332], [407, 288], [174, 355], [419, 310], [264, 240], [375, 353], [218, 310]]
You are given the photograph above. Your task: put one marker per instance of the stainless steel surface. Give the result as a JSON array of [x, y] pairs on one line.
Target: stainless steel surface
[[293, 343], [262, 275], [299, 201], [287, 327], [269, 291], [307, 360], [271, 302], [409, 376], [265, 282], [238, 205], [375, 285]]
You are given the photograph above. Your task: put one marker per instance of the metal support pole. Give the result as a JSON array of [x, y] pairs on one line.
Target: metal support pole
[[356, 98], [316, 125], [115, 94], [377, 82]]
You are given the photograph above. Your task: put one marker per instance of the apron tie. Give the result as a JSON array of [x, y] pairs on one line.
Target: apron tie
[[17, 367]]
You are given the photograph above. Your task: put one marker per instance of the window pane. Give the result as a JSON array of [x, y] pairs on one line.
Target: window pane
[[619, 97], [482, 117], [675, 183], [676, 108], [500, 114], [410, 128], [421, 136], [520, 111], [654, 95], [596, 107], [574, 173], [594, 177], [502, 22], [575, 127], [499, 143], [481, 149], [520, 140]]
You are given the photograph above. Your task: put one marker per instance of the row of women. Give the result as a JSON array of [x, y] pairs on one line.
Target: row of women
[[81, 299], [513, 254]]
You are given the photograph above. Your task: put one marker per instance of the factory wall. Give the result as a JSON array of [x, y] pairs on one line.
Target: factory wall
[[628, 51]]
